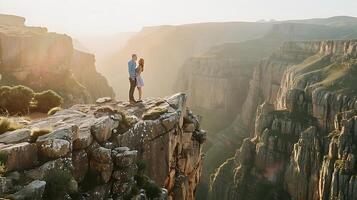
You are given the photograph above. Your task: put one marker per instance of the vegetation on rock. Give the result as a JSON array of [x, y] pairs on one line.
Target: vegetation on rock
[[54, 110], [7, 125], [15, 100], [47, 100], [21, 100]]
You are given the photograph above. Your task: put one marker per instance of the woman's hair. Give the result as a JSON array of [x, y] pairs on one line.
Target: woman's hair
[[141, 63]]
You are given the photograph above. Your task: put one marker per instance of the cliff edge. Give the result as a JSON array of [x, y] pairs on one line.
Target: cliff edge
[[102, 146]]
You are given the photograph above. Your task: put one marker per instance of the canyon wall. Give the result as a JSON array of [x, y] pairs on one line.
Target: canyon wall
[[102, 144], [43, 60], [302, 143]]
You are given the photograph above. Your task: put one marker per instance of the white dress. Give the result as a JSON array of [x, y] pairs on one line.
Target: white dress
[[139, 79]]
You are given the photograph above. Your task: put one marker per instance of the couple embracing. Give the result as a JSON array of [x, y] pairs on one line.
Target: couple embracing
[[135, 78]]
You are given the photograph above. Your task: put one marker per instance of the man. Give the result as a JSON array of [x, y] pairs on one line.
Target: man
[[132, 77]]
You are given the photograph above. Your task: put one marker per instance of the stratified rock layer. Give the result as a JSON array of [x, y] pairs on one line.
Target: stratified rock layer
[[303, 145], [95, 140]]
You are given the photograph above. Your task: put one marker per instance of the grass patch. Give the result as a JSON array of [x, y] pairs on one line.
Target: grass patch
[[8, 125], [54, 110], [37, 132]]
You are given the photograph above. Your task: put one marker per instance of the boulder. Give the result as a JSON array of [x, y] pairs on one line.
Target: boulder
[[103, 127], [200, 136], [33, 191], [6, 185], [154, 113], [17, 136], [57, 143], [19, 156], [80, 164], [101, 164], [40, 173], [85, 137], [54, 148], [103, 100], [125, 159]]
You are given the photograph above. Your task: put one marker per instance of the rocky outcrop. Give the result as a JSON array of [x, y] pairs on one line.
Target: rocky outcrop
[[302, 143], [43, 60], [315, 86], [102, 144], [266, 79], [11, 20]]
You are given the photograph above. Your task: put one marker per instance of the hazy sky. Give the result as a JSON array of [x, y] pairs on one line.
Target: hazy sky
[[90, 17]]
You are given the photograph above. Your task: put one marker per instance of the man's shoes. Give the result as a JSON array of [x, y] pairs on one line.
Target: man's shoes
[[139, 101], [133, 102]]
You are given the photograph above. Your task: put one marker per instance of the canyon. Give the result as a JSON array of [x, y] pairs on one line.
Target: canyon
[[237, 77], [302, 143], [278, 100]]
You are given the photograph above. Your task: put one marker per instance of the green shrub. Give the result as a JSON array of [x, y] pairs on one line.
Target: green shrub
[[15, 100], [57, 184], [7, 125], [152, 190], [47, 100], [54, 110], [141, 165]]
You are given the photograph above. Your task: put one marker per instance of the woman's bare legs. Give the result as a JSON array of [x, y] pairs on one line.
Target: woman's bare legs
[[140, 93]]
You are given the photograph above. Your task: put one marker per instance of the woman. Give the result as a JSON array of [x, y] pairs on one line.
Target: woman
[[139, 79]]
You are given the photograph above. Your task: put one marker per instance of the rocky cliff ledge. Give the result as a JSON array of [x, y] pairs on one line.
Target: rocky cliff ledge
[[101, 144]]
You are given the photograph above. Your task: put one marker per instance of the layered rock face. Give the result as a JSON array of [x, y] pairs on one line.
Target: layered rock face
[[102, 144], [302, 146], [267, 77], [205, 77], [41, 60]]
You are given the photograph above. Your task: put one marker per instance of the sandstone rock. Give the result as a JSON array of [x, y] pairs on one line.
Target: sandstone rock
[[19, 156], [189, 127], [54, 148], [103, 127], [154, 113], [17, 136], [6, 185], [125, 159], [64, 133], [80, 164], [302, 174], [103, 100], [200, 136], [85, 137], [100, 192], [101, 164], [41, 172], [124, 175], [34, 191]]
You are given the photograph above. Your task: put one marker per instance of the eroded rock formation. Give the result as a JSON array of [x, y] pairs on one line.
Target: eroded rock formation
[[101, 144], [44, 60], [302, 146]]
